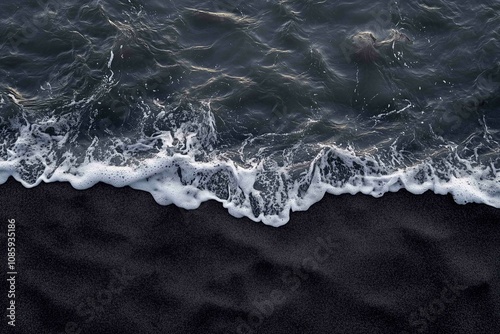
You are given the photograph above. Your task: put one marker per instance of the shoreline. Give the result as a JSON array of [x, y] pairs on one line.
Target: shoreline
[[112, 260]]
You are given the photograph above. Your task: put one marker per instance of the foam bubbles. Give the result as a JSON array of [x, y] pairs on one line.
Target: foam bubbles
[[178, 164]]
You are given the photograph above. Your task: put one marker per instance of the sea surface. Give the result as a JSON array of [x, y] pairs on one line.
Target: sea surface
[[262, 105]]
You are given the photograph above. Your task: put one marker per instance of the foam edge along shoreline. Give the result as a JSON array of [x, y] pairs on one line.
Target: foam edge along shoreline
[[269, 194]]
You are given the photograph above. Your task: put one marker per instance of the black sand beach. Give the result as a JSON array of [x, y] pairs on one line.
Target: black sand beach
[[108, 260]]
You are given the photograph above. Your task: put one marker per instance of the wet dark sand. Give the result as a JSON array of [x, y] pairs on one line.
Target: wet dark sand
[[108, 260]]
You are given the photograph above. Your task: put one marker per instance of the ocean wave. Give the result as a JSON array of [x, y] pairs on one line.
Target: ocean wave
[[180, 166], [254, 106]]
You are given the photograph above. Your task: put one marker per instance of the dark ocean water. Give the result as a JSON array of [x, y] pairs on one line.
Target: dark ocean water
[[262, 105]]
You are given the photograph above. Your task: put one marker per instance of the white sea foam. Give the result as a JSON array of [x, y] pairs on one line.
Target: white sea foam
[[180, 164], [258, 192]]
